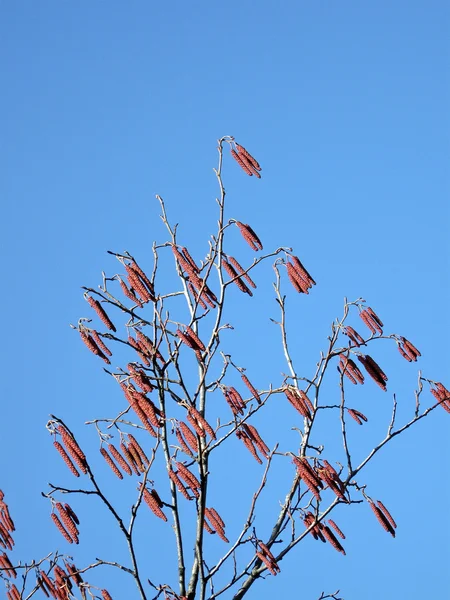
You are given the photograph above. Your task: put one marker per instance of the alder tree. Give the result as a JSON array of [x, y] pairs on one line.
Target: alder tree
[[185, 397]]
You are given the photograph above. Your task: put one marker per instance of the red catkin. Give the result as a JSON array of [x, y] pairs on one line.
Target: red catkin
[[120, 459], [98, 340], [243, 152], [89, 342], [382, 519], [249, 236], [189, 436], [106, 595], [241, 271], [111, 463], [244, 165], [95, 304], [66, 458], [252, 389], [336, 528], [68, 522], [60, 526], [234, 276], [387, 514]]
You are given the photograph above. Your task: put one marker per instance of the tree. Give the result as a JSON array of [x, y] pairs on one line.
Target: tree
[[172, 424]]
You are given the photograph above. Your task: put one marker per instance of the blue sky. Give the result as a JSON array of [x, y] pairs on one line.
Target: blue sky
[[345, 105]]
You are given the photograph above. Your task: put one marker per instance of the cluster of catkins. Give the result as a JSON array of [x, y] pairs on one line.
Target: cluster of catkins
[[6, 541], [62, 584], [245, 160]]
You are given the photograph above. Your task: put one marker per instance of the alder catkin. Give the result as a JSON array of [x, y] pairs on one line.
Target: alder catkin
[[111, 463], [60, 527]]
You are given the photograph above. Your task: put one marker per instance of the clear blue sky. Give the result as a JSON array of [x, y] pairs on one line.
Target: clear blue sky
[[345, 105]]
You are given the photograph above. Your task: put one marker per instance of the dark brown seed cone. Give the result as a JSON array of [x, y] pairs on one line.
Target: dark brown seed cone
[[299, 267], [111, 463], [98, 340], [68, 522], [382, 519], [242, 151], [233, 275], [329, 535], [375, 373], [60, 526], [143, 276], [249, 236], [241, 435], [354, 336], [101, 313], [89, 342], [202, 422], [185, 448], [197, 298], [189, 436], [244, 165], [336, 528], [66, 458], [195, 337], [120, 459], [176, 480], [256, 438], [387, 514], [189, 259], [153, 504], [297, 281], [251, 388], [272, 567], [106, 595]]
